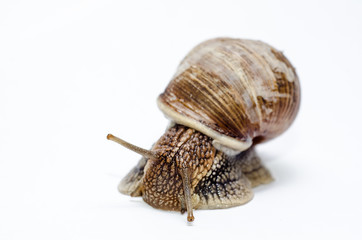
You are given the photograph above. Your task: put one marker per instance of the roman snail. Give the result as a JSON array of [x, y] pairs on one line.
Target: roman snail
[[227, 96]]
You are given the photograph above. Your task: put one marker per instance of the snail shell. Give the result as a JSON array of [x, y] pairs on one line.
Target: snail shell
[[235, 91]]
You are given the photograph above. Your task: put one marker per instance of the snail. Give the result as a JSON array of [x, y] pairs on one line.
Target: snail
[[227, 96]]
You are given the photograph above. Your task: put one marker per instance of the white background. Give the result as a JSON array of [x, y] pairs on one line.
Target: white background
[[72, 71]]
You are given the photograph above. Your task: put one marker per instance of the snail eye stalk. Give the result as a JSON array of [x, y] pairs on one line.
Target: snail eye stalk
[[144, 152]]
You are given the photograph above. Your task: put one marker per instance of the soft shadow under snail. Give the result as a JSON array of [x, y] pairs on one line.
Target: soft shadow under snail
[[227, 96]]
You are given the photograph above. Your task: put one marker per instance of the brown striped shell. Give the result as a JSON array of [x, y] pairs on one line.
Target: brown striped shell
[[235, 91]]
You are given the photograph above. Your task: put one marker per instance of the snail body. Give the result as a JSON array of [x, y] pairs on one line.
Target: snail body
[[227, 96]]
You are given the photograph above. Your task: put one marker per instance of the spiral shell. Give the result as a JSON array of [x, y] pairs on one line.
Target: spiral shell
[[236, 91]]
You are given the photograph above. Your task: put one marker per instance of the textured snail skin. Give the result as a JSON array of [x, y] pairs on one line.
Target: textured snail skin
[[235, 91], [217, 180]]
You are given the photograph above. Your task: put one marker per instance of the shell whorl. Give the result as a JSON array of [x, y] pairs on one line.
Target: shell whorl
[[235, 91]]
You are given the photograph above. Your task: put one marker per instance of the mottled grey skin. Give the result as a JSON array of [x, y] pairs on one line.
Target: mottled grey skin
[[216, 179], [130, 185], [230, 180]]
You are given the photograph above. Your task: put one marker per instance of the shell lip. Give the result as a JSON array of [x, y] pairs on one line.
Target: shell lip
[[221, 141]]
